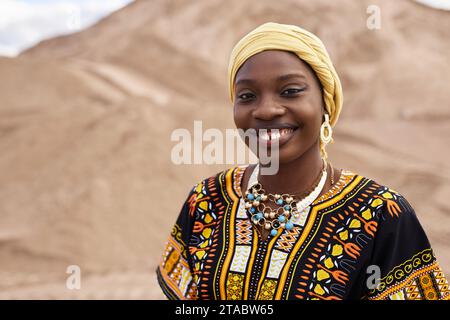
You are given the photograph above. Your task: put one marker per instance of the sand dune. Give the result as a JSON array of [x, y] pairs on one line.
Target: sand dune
[[85, 123]]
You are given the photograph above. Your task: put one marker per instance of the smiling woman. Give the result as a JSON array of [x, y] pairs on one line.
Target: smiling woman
[[309, 231]]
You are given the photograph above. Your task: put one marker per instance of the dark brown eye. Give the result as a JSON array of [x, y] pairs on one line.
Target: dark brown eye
[[246, 96], [292, 91]]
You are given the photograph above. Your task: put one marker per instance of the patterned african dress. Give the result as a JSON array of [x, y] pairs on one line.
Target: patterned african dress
[[359, 240]]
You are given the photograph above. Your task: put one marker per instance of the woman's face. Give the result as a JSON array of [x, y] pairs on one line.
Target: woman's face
[[276, 90]]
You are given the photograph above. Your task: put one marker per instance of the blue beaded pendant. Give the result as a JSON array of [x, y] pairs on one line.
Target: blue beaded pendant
[[289, 225]]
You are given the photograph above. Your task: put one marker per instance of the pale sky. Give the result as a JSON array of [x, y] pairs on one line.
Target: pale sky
[[440, 4], [23, 23]]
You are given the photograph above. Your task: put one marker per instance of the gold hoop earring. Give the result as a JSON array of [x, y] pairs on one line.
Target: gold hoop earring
[[326, 137]]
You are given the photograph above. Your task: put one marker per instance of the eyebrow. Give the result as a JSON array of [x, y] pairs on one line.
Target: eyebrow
[[283, 77]]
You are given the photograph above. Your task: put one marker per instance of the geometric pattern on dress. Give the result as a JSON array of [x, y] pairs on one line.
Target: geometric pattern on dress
[[243, 231], [172, 259], [267, 289], [427, 284], [301, 220], [205, 214], [412, 291], [174, 267], [241, 212], [235, 284], [175, 275], [287, 239], [277, 261], [427, 279], [441, 282], [184, 281], [240, 258], [399, 295]]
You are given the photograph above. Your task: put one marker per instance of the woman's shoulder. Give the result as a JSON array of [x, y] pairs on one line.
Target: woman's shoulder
[[225, 181], [377, 196], [375, 186]]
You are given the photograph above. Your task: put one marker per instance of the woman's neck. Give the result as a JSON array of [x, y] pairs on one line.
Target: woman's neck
[[295, 176]]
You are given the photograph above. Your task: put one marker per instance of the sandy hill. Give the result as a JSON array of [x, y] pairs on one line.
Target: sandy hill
[[85, 124]]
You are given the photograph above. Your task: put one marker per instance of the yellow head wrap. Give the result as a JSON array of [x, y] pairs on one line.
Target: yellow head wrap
[[308, 47]]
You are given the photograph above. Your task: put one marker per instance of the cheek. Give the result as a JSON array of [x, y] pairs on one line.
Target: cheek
[[236, 117], [240, 116], [308, 117]]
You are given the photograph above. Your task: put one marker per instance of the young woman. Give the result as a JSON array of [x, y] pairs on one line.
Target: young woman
[[310, 231]]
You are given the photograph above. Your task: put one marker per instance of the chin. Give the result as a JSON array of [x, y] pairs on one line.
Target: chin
[[288, 154]]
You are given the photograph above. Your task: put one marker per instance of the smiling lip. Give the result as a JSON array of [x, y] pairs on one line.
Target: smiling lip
[[281, 135]]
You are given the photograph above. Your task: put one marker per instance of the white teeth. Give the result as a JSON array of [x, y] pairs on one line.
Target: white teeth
[[274, 134], [264, 135], [285, 131]]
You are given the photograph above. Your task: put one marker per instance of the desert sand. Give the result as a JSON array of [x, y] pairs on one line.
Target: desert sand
[[85, 124]]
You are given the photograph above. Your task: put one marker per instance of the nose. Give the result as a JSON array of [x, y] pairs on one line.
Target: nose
[[268, 109]]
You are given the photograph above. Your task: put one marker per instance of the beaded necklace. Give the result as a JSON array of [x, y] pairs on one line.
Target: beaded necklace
[[289, 206]]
